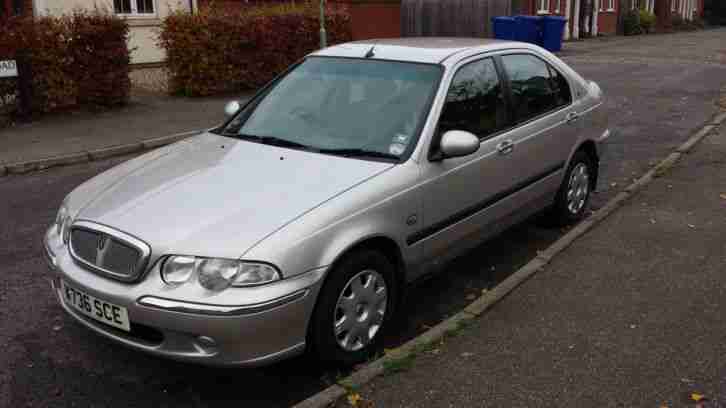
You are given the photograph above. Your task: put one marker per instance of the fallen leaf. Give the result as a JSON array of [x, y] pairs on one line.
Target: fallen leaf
[[470, 297], [697, 397], [691, 225], [354, 399], [723, 196], [57, 328], [467, 354]]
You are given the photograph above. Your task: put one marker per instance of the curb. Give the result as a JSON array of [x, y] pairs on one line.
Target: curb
[[92, 155], [475, 309]]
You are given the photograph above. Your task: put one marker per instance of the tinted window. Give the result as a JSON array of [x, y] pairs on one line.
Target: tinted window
[[560, 87], [475, 101], [534, 90]]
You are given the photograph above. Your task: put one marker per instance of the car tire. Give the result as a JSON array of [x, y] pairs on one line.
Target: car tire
[[573, 197], [349, 308]]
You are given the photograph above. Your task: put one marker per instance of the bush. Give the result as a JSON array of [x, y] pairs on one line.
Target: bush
[[219, 50], [647, 21], [80, 59], [631, 23], [101, 59]]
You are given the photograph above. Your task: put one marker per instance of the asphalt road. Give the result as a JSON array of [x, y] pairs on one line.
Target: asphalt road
[[660, 89]]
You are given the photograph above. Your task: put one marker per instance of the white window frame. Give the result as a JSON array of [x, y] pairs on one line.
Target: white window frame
[[635, 5], [611, 5], [542, 10], [134, 10], [558, 6], [673, 5]]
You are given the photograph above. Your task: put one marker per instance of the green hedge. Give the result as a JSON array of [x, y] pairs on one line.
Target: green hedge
[[220, 50], [79, 59]]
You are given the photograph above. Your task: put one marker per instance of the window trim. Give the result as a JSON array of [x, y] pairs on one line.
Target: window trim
[[558, 6], [542, 115], [135, 14], [540, 9]]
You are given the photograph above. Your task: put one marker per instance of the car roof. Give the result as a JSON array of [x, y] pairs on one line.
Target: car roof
[[432, 50]]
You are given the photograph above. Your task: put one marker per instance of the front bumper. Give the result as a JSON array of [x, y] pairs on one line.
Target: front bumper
[[245, 327]]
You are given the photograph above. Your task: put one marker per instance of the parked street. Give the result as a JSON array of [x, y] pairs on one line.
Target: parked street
[[660, 88], [628, 316]]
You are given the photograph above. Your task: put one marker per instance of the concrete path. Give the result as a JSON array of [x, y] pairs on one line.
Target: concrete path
[[629, 316], [147, 116]]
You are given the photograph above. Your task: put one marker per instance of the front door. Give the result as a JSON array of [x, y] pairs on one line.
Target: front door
[[456, 190]]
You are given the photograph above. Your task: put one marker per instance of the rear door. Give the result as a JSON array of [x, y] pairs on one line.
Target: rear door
[[545, 117]]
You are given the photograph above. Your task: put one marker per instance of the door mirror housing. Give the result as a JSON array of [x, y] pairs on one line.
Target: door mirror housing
[[231, 108], [458, 143]]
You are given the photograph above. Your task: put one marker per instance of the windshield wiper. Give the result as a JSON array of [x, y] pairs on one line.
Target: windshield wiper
[[359, 153], [275, 141]]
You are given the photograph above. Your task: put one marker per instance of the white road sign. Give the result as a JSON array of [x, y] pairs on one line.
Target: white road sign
[[8, 68]]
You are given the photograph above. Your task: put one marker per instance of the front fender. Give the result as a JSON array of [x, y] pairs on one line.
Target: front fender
[[378, 208]]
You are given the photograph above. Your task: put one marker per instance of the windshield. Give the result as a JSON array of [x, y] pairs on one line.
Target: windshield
[[352, 107]]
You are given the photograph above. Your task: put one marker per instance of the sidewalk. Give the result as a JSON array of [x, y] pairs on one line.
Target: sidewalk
[[631, 315], [147, 116]]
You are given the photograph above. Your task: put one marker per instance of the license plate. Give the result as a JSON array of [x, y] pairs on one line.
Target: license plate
[[95, 308]]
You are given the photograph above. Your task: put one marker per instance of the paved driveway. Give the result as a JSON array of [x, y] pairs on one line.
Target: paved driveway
[[660, 88]]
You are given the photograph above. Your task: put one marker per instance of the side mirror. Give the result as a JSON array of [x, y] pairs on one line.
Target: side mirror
[[232, 108], [458, 143]]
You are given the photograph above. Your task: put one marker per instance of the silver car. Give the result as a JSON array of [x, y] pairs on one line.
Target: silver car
[[298, 223]]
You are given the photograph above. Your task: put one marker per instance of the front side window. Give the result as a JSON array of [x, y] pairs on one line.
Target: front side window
[[134, 7], [475, 102], [351, 107], [536, 87]]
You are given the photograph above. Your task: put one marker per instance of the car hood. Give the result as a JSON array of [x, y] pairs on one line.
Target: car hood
[[218, 196]]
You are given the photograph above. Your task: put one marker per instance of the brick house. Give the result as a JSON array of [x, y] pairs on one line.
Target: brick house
[[144, 18]]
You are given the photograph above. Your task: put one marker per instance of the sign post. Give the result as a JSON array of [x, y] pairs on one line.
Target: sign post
[[25, 85], [323, 34]]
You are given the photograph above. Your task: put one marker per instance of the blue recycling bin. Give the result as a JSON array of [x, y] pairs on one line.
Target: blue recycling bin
[[552, 29], [505, 28], [529, 29]]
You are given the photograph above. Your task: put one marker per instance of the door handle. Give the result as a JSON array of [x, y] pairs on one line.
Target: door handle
[[571, 117], [505, 147]]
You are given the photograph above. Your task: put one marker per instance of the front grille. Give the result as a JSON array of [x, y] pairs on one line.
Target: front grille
[[107, 251]]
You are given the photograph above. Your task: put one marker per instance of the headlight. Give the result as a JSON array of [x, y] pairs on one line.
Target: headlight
[[217, 274], [62, 223]]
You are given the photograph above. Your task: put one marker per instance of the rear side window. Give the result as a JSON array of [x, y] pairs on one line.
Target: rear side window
[[560, 88], [475, 102], [537, 88]]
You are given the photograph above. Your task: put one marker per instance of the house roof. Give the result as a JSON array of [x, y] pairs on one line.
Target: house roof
[[414, 49]]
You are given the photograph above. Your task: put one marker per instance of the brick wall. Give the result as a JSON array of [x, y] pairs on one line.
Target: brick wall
[[375, 20]]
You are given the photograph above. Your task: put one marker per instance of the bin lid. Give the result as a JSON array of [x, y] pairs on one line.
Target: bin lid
[[534, 18], [555, 18]]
